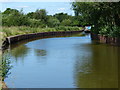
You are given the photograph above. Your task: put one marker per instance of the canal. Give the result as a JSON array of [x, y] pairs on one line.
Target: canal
[[63, 62]]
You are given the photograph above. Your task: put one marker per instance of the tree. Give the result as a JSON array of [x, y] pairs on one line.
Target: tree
[[53, 22], [103, 15], [31, 15], [41, 14], [61, 16], [13, 17], [66, 22], [36, 23], [10, 11]]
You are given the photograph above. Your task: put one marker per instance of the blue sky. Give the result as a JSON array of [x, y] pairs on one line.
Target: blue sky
[[51, 7]]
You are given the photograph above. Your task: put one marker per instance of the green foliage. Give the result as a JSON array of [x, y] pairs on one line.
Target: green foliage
[[68, 28], [41, 14], [62, 16], [105, 30], [15, 22], [66, 22], [12, 17], [5, 67], [12, 31], [31, 15], [75, 23], [10, 11], [115, 32], [36, 23], [53, 22], [39, 18], [103, 15]]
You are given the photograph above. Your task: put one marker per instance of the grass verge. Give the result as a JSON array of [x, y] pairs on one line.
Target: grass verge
[[12, 31]]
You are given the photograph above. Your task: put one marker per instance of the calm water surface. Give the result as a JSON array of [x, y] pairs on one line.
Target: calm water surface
[[63, 62]]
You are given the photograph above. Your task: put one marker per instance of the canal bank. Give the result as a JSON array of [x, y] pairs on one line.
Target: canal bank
[[17, 38], [106, 39]]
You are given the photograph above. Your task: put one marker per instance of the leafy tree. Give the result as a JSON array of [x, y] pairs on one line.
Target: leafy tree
[[77, 21], [53, 22], [61, 16], [41, 14], [66, 22], [35, 23], [31, 15], [12, 17], [10, 11], [103, 15]]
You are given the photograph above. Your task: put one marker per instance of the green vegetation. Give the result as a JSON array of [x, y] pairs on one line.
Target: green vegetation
[[104, 17], [5, 66], [11, 31], [15, 22], [39, 18]]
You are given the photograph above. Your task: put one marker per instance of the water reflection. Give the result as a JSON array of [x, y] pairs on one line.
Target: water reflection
[[19, 52], [39, 52], [98, 68], [67, 62]]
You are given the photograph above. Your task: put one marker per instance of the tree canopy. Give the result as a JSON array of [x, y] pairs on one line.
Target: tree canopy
[[104, 16], [39, 18]]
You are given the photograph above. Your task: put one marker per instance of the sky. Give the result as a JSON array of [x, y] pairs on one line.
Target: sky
[[51, 7]]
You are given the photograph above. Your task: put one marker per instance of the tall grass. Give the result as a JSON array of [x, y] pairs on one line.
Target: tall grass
[[12, 31]]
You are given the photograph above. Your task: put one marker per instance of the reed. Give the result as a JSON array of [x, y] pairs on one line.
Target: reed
[[12, 31]]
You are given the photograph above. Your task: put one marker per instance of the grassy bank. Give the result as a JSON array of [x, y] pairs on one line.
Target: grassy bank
[[12, 31]]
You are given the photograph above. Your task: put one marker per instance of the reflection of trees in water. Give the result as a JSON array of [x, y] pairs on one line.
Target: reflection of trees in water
[[19, 52], [5, 66], [99, 70], [40, 55], [83, 66], [39, 52]]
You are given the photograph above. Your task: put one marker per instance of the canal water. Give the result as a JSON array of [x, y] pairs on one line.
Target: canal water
[[63, 62]]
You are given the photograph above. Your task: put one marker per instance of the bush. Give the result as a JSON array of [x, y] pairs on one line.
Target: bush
[[53, 22], [115, 32], [5, 67], [63, 28], [66, 22], [112, 31], [104, 30], [35, 23]]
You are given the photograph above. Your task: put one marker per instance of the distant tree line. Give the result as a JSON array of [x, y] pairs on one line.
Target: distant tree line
[[103, 16], [39, 18]]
